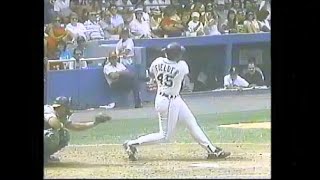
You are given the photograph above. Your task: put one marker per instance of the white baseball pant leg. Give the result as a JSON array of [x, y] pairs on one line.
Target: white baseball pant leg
[[168, 111], [186, 116]]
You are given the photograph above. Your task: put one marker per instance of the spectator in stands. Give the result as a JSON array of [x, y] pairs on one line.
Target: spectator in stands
[[200, 8], [186, 4], [241, 17], [55, 34], [95, 6], [265, 5], [209, 7], [74, 5], [48, 11], [250, 5], [263, 21], [211, 28], [116, 19], [64, 53], [185, 19], [106, 26], [120, 79], [222, 14], [55, 65], [231, 24], [150, 8], [227, 4], [145, 16], [251, 24], [79, 62], [195, 26], [61, 7], [155, 20], [125, 3], [234, 81], [128, 17], [171, 23], [81, 42], [83, 15], [236, 4], [139, 27], [76, 29], [94, 30], [124, 48], [252, 76], [196, 6]]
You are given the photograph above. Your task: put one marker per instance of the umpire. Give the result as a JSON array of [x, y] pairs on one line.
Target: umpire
[[57, 124]]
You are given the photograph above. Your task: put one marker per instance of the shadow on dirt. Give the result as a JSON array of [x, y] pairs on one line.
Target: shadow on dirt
[[80, 165], [182, 159]]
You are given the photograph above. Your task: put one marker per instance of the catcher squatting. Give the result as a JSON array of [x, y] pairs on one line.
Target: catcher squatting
[[166, 75], [57, 124]]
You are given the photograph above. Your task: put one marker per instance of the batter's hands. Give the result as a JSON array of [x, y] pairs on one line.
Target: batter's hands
[[101, 118], [152, 86], [114, 75]]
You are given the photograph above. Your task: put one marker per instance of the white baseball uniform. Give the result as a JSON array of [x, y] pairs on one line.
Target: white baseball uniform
[[170, 106]]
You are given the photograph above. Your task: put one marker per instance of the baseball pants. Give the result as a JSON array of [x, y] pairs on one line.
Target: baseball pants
[[170, 111]]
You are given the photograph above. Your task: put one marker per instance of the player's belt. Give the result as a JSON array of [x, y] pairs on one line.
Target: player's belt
[[168, 96]]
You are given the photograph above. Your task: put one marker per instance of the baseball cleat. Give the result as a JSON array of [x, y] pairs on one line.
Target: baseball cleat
[[131, 151], [218, 154]]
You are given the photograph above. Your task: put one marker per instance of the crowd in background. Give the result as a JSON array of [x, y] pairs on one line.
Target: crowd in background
[[70, 22]]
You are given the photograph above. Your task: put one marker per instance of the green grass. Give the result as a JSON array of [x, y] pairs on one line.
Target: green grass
[[118, 131]]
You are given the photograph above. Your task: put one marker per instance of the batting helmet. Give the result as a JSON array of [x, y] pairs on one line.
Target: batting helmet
[[174, 51]]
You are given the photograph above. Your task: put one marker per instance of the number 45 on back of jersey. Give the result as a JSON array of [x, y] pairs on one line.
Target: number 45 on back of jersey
[[165, 79]]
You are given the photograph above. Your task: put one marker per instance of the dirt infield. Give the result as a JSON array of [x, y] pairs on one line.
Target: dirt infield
[[168, 161], [263, 125]]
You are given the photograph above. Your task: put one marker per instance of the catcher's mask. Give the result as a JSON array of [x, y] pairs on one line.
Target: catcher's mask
[[174, 51]]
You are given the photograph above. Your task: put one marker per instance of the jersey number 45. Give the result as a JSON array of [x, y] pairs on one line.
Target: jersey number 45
[[165, 79]]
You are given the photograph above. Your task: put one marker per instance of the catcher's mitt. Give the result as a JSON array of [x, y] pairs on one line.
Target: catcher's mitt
[[101, 118]]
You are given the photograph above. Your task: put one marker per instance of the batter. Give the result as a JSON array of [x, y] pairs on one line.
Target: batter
[[168, 73]]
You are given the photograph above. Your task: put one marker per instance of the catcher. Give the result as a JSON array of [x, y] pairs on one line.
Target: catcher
[[57, 124]]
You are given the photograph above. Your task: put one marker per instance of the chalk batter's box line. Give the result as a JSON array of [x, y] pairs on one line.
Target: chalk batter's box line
[[94, 145]]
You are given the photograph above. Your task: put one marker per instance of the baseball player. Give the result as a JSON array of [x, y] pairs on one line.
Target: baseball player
[[57, 124], [168, 73]]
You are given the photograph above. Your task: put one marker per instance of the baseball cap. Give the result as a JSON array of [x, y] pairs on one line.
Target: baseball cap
[[138, 9], [195, 14], [233, 71], [61, 101]]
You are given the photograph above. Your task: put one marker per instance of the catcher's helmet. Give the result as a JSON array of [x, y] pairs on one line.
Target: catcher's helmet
[[174, 51], [61, 101]]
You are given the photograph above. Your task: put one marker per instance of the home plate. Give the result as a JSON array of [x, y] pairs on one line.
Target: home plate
[[205, 165]]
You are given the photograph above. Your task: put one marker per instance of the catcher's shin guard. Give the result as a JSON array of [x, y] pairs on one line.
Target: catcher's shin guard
[[51, 143], [64, 138]]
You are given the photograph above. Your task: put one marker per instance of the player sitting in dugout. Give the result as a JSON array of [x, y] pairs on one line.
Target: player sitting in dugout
[[120, 78], [253, 75], [57, 124], [234, 81]]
